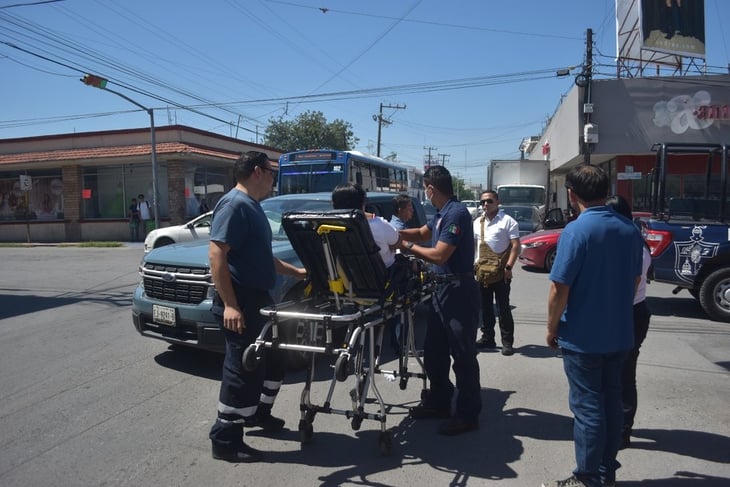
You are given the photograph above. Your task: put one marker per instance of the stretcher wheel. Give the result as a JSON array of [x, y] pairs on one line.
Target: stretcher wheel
[[341, 366], [251, 358], [306, 430], [403, 383], [356, 421], [385, 443]]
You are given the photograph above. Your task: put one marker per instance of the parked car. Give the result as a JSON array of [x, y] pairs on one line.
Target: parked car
[[538, 249], [198, 227], [473, 206], [528, 218], [174, 297]]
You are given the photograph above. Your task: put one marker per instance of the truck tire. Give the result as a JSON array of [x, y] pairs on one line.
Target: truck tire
[[715, 295]]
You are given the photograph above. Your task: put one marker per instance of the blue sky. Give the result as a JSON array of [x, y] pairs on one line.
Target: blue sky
[[476, 76]]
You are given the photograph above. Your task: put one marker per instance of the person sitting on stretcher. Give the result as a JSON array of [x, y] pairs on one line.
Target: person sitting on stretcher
[[351, 196]]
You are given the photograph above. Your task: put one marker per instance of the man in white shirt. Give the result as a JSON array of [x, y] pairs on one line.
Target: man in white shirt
[[144, 213], [502, 234], [349, 196]]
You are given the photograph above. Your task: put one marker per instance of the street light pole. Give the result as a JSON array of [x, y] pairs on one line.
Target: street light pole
[[99, 82]]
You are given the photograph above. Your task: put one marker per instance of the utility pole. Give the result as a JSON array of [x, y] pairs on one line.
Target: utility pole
[[587, 105], [443, 158], [384, 121], [429, 160]]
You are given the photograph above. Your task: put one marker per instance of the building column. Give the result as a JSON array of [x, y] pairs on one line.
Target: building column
[[176, 191], [72, 176]]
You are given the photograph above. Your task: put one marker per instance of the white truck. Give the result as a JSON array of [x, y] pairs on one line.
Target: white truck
[[520, 182]]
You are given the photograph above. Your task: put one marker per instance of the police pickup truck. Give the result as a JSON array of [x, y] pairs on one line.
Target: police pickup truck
[[174, 297], [688, 233]]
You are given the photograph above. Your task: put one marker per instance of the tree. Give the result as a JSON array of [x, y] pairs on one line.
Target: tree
[[310, 130]]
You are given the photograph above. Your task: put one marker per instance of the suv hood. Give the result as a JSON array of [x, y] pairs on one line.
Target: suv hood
[[195, 253]]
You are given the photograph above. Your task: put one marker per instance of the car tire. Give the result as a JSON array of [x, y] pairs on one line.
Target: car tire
[[549, 260], [161, 242], [715, 295]]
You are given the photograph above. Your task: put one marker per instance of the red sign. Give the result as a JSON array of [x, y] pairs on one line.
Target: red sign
[[86, 194], [713, 112]]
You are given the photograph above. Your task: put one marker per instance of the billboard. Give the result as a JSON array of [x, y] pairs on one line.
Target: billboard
[[673, 26], [658, 31]]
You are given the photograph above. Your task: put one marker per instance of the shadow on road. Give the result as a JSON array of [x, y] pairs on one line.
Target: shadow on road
[[12, 305], [417, 443], [697, 444], [682, 307]]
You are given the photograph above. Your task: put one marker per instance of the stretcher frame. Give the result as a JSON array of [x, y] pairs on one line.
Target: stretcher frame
[[352, 297]]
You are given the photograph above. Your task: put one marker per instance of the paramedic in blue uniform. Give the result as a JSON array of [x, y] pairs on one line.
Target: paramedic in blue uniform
[[244, 270], [452, 325]]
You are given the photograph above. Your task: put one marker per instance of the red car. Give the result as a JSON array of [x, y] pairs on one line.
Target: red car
[[538, 249]]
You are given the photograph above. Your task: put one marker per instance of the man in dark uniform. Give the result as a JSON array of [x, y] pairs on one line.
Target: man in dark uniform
[[244, 269], [452, 325]]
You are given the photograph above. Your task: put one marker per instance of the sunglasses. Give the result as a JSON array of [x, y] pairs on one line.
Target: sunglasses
[[272, 171], [487, 201]]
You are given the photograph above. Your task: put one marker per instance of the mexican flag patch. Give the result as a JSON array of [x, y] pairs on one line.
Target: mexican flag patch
[[453, 229]]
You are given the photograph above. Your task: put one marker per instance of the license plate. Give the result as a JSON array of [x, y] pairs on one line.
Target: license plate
[[163, 315]]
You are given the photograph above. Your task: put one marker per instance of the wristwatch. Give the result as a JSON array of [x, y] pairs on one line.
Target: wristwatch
[[508, 267], [409, 245]]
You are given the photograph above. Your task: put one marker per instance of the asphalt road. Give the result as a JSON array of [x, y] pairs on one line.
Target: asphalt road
[[85, 401]]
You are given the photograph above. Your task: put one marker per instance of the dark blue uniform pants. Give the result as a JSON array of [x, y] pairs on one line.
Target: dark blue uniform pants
[[499, 290], [451, 334], [241, 389]]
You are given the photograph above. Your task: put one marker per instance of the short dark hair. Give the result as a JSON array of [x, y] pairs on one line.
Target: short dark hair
[[401, 201], [619, 205], [440, 178], [348, 196], [588, 182], [247, 162], [491, 191], [140, 196]]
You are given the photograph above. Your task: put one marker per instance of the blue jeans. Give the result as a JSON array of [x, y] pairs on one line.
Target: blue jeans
[[595, 400]]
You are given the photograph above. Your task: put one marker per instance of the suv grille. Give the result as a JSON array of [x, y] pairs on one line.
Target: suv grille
[[187, 285]]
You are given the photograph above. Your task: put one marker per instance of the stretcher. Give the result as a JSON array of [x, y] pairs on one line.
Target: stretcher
[[352, 299]]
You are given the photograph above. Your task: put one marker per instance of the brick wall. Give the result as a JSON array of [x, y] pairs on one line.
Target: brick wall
[[72, 202], [176, 191]]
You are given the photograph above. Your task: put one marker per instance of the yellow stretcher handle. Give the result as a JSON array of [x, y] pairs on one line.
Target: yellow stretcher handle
[[330, 228]]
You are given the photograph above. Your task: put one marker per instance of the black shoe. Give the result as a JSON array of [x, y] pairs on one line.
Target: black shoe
[[423, 411], [456, 426], [507, 349], [485, 342], [244, 454], [267, 422]]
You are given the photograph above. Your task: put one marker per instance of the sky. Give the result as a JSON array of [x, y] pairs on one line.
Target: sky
[[463, 81]]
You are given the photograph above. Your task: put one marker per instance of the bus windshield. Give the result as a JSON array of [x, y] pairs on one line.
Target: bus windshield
[[310, 177]]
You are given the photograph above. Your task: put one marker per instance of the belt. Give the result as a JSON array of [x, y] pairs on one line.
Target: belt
[[454, 277]]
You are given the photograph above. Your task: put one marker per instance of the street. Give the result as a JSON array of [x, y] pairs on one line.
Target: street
[[86, 401]]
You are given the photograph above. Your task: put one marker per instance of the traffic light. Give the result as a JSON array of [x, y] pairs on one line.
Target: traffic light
[[95, 81]]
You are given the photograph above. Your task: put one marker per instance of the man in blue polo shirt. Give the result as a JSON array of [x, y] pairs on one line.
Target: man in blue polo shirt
[[590, 317], [452, 324]]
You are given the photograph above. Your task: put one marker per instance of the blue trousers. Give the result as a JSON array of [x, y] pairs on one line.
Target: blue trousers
[[595, 400], [242, 390], [451, 334]]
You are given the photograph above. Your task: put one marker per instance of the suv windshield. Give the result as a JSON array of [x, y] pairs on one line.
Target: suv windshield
[[275, 207]]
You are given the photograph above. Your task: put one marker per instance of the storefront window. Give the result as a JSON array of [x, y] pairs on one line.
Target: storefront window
[[204, 186], [41, 200], [106, 191]]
